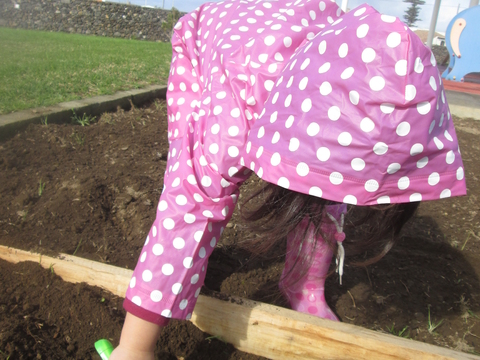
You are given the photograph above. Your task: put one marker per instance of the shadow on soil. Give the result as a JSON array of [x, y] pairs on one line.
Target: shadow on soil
[[422, 282]]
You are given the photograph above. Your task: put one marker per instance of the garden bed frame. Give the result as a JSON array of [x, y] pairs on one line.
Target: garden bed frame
[[255, 327]]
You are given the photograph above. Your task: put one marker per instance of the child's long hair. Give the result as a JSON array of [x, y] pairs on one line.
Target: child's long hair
[[273, 212]]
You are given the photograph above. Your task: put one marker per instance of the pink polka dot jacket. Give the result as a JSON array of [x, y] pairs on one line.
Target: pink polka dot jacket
[[348, 107]]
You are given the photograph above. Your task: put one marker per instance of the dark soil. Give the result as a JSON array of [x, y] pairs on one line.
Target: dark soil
[[92, 190]]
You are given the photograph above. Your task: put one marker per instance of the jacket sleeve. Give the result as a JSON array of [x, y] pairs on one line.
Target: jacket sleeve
[[195, 205]]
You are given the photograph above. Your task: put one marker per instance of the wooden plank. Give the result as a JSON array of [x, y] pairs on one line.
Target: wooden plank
[[279, 333], [74, 269], [254, 327]]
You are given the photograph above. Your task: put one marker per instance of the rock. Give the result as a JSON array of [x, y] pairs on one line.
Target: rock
[[83, 16], [441, 54]]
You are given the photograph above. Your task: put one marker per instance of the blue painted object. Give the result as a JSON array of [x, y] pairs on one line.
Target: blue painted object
[[463, 44]]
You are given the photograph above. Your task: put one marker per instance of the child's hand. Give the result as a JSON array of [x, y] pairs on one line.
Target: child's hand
[[121, 353], [138, 340]]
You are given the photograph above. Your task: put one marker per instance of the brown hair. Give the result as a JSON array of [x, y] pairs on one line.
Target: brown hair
[[273, 212]]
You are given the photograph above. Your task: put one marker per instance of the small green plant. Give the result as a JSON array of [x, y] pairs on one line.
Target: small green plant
[[431, 325], [472, 314], [23, 214], [51, 268], [2, 353], [401, 333], [465, 309], [41, 187], [107, 117], [44, 121], [84, 120], [78, 247], [159, 104], [102, 300], [78, 138], [469, 314], [210, 338], [470, 233], [465, 243]]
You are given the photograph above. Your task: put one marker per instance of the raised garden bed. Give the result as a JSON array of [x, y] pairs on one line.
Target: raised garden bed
[[91, 191]]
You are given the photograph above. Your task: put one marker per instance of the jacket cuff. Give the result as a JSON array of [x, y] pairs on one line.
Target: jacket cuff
[[145, 314]]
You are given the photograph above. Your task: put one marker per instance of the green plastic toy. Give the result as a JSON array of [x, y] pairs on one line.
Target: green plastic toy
[[104, 348]]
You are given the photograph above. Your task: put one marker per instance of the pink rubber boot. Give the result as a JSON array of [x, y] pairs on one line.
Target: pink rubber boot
[[305, 288]]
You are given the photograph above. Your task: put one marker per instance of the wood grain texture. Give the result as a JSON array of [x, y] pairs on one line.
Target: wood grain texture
[[255, 327]]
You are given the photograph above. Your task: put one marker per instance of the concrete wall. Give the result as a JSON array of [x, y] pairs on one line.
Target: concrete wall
[[86, 17]]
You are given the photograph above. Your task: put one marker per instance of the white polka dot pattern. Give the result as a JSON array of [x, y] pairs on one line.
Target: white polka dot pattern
[[375, 131], [215, 94]]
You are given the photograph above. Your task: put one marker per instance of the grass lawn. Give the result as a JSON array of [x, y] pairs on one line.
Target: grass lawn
[[44, 68]]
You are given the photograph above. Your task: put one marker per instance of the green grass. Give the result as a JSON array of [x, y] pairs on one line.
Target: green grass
[[431, 325], [84, 120], [41, 187], [45, 68], [401, 333]]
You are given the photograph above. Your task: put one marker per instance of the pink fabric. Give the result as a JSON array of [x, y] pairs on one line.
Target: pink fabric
[[360, 116], [145, 314], [305, 288], [225, 60]]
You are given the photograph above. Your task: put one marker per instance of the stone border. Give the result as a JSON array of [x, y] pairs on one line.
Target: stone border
[[13, 123], [461, 104]]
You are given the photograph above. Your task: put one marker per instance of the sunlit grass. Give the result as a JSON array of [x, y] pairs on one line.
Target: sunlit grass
[[44, 68]]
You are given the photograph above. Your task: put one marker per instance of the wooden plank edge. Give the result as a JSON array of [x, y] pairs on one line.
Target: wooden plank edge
[[255, 327], [279, 333]]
